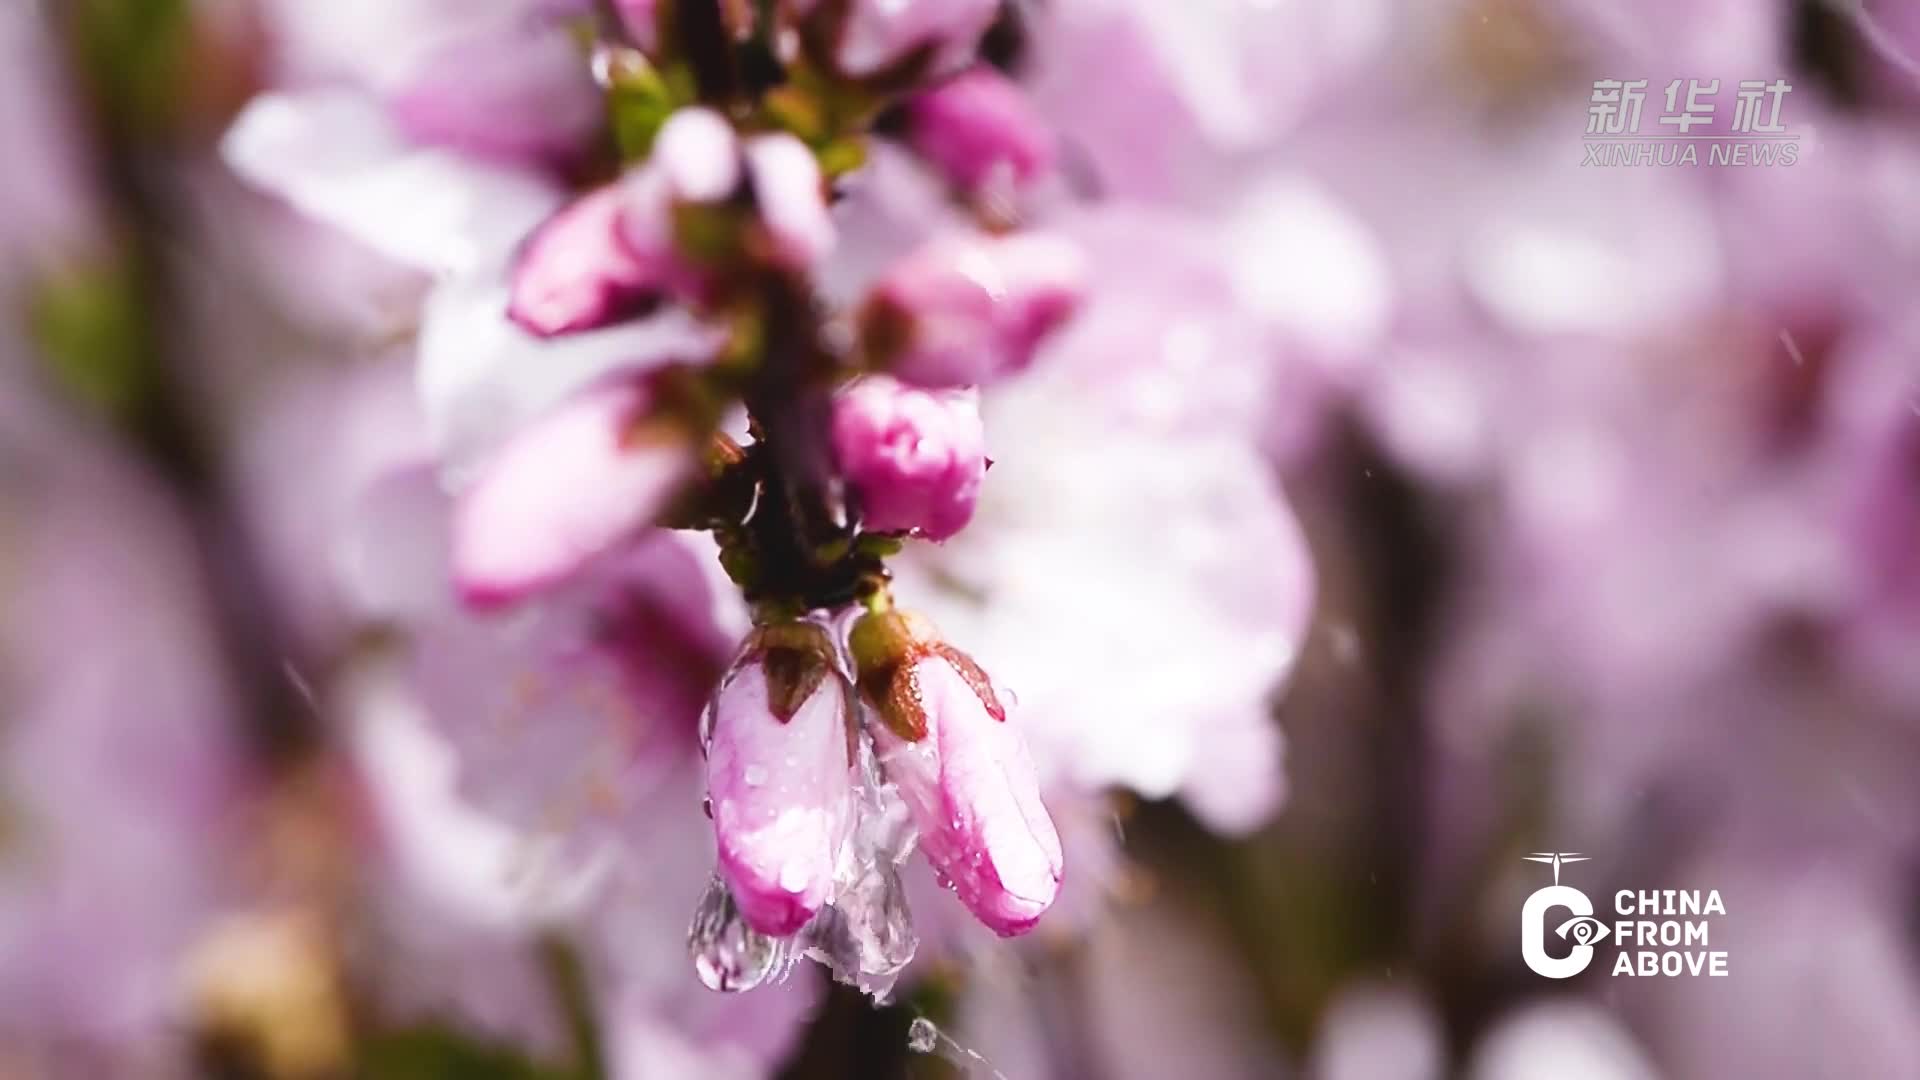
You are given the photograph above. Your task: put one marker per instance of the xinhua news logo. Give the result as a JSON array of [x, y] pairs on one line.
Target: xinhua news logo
[[1750, 133], [1656, 933]]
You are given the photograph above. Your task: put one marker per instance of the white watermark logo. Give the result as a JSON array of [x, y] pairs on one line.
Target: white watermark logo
[[1652, 935], [1583, 929], [1753, 136]]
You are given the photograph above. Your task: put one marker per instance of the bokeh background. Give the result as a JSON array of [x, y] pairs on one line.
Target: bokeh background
[[1609, 479]]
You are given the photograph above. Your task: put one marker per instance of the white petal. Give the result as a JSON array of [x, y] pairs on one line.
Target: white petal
[[336, 155], [565, 491], [482, 378], [1303, 262]]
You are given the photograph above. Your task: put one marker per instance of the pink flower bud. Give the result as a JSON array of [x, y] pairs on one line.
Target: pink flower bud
[[789, 196], [946, 742], [915, 457], [965, 310], [878, 34], [698, 154], [577, 271], [695, 160], [567, 487], [779, 775], [979, 129], [614, 252], [698, 161]]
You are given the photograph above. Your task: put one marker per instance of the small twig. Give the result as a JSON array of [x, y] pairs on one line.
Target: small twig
[[701, 28]]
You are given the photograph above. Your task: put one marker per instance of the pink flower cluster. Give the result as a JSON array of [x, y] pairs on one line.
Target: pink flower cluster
[[705, 375], [855, 445], [613, 253]]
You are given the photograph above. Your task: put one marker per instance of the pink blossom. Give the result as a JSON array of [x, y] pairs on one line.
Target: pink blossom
[[565, 489], [614, 252], [697, 152], [51, 206], [947, 742], [578, 272], [916, 457], [788, 194], [122, 775], [877, 34], [571, 725], [574, 717], [978, 127], [611, 254], [516, 92], [702, 161], [1132, 454], [340, 157], [968, 309], [502, 81], [779, 775]]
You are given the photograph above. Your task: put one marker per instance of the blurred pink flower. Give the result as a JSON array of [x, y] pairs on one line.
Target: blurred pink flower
[[336, 156], [501, 81], [52, 215], [517, 530], [1131, 453], [122, 765], [977, 129], [969, 309]]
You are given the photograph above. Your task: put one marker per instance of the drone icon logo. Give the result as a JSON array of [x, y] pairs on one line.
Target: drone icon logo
[[1582, 929]]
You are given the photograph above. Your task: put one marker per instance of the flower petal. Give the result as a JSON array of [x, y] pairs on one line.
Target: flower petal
[[973, 791], [482, 378], [781, 797], [568, 488], [336, 155]]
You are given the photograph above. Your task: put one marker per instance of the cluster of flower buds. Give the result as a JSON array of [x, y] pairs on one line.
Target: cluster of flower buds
[[731, 122], [817, 798], [671, 227]]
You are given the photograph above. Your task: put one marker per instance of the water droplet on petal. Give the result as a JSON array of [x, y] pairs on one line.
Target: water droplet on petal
[[922, 1035], [755, 775], [729, 955], [706, 807], [866, 936], [706, 727]]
